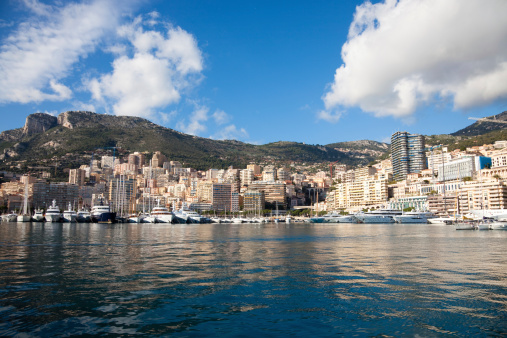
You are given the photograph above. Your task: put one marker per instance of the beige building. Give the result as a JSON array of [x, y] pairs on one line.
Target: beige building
[[366, 190], [77, 176]]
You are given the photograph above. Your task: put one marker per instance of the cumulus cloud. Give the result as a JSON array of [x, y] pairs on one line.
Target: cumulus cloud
[[42, 50], [231, 132], [161, 66], [402, 54]]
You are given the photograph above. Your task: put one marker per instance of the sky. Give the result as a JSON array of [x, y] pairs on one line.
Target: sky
[[259, 71]]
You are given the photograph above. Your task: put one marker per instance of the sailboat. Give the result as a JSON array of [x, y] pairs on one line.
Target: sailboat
[[25, 217]]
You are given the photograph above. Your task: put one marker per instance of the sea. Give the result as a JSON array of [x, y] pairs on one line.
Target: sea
[[251, 280]]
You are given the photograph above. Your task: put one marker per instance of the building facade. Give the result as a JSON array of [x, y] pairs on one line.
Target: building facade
[[407, 154]]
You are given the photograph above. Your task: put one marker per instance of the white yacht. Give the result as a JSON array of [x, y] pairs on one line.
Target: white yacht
[[378, 216], [161, 214], [420, 217], [137, 218], [12, 217], [69, 215], [187, 216], [330, 218], [83, 216], [38, 216], [101, 213], [53, 213], [442, 220], [347, 219], [24, 218]]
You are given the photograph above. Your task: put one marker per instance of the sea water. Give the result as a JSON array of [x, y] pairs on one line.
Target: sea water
[[251, 280]]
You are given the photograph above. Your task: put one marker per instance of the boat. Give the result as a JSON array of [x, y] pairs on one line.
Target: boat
[[446, 220], [69, 215], [330, 218], [12, 217], [473, 225], [25, 216], [347, 219], [101, 213], [161, 214], [378, 216], [187, 216], [420, 217], [136, 218], [498, 225], [83, 216], [53, 213], [38, 215]]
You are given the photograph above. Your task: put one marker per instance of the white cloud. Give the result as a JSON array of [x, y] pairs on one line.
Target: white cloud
[[221, 117], [402, 54], [41, 52], [231, 132], [197, 117], [329, 116], [161, 67]]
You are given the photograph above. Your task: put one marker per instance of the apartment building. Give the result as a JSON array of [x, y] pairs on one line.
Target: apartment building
[[407, 154]]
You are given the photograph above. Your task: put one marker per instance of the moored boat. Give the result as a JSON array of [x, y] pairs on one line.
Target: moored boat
[[38, 215], [101, 213], [69, 215], [53, 213], [83, 216]]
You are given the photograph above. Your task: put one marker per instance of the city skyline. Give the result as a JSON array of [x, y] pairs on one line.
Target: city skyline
[[260, 72]]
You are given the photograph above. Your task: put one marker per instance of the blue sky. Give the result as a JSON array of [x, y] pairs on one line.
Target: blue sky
[[259, 71]]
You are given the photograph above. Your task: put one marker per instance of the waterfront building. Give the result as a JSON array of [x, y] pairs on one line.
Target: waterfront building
[[64, 193], [122, 192], [416, 202], [490, 194], [254, 201], [407, 154], [224, 197], [366, 190], [274, 192]]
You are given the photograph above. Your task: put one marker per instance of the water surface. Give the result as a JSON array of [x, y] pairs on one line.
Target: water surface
[[251, 280]]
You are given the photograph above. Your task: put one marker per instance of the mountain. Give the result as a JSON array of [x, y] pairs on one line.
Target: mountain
[[369, 150], [71, 138], [482, 127]]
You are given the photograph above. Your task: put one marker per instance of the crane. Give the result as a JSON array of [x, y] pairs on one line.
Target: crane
[[331, 168], [114, 154]]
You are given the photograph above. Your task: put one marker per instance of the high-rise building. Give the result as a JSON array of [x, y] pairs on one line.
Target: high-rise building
[[224, 197], [77, 176], [254, 200], [158, 159], [407, 154]]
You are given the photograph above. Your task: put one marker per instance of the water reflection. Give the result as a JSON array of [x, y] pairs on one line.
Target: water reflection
[[251, 279]]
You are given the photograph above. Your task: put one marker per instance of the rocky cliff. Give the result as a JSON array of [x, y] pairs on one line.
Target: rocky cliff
[[38, 123]]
